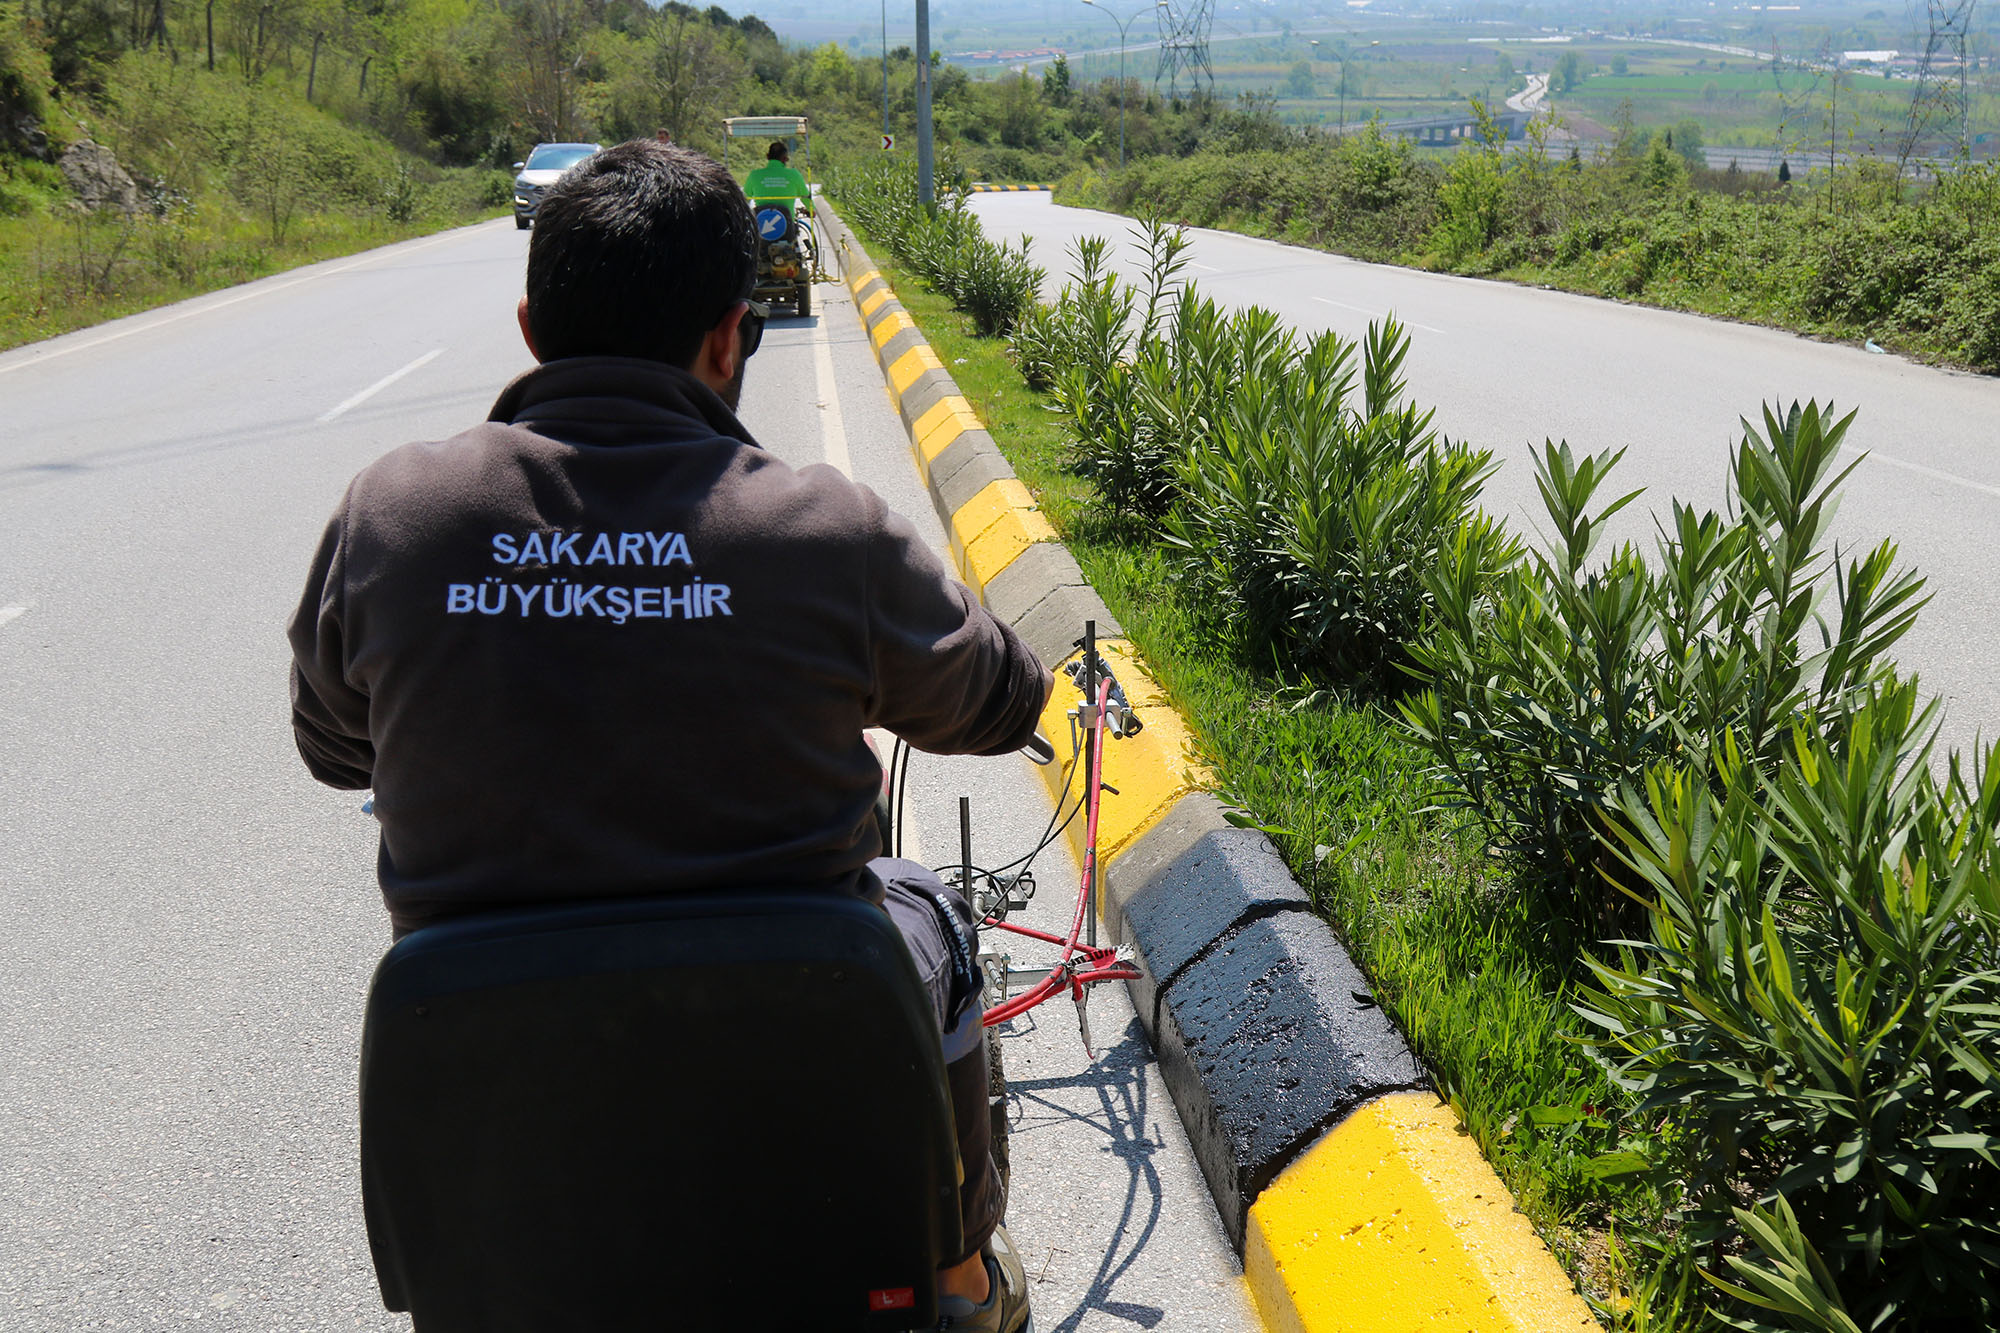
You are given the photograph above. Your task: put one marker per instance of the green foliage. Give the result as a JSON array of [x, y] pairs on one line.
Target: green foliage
[[1912, 269], [1450, 956], [25, 76], [1819, 1009], [1802, 1021], [995, 284], [242, 179], [1316, 504], [1132, 398], [1470, 206], [1562, 681]]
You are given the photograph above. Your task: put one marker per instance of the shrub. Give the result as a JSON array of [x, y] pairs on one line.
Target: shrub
[[1311, 515], [945, 246], [1818, 1012], [1119, 385], [1562, 682], [996, 285]]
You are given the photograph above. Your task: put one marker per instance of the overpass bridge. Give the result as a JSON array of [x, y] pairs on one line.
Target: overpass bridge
[[1443, 131]]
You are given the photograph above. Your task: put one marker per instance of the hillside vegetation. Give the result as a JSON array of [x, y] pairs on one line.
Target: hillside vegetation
[[1857, 254], [257, 134]]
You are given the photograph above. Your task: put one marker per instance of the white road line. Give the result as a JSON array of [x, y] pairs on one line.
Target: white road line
[[1205, 268], [374, 258], [8, 613], [832, 429], [1363, 310], [381, 384], [1921, 470]]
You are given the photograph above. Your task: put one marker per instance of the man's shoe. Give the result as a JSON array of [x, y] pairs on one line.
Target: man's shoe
[[1006, 1307]]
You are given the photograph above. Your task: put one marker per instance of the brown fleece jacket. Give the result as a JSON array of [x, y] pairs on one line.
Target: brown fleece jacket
[[604, 644]]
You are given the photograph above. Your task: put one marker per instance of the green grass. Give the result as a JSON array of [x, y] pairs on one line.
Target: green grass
[[1408, 889], [246, 179], [60, 274]]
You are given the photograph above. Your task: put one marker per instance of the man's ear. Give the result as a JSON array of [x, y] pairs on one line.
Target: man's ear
[[527, 331], [721, 351]]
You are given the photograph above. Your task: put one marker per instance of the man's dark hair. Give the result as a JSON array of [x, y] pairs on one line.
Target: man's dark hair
[[778, 152], [638, 251]]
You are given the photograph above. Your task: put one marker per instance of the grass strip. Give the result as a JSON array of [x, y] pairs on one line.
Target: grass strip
[[1346, 798], [61, 274]]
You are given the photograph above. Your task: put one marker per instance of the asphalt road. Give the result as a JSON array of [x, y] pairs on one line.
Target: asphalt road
[[188, 923], [1507, 367]]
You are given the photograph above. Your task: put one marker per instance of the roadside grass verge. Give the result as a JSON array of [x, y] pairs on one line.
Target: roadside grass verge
[[60, 274], [235, 181], [1346, 798]]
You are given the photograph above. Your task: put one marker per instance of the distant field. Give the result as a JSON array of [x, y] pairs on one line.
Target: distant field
[[1397, 69]]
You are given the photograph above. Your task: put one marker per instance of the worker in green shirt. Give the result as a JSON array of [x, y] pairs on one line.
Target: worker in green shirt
[[775, 181]]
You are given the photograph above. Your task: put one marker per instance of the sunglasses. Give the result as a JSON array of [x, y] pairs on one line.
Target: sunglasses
[[755, 314]]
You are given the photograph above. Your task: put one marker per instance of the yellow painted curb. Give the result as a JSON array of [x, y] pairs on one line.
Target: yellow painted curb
[[860, 280], [1394, 1223], [996, 502], [1151, 771], [910, 365], [1000, 545], [936, 429], [873, 303], [890, 327]]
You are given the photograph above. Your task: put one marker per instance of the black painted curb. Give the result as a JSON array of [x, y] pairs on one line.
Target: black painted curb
[[1266, 1032]]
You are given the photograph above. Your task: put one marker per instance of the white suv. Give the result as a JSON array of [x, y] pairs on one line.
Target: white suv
[[539, 172]]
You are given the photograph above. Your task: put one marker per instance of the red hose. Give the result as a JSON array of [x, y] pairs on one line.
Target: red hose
[[1103, 964]]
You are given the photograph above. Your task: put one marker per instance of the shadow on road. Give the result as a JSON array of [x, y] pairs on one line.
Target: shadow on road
[[1119, 1118]]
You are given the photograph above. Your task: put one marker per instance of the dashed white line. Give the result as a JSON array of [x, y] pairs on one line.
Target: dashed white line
[[1205, 268], [8, 613], [1372, 314], [381, 384], [832, 429], [374, 257]]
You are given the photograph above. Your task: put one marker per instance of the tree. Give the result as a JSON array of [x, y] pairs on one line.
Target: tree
[[541, 67], [1019, 110], [1299, 82], [1568, 73], [1055, 82], [1784, 172], [690, 65], [1662, 169], [1687, 141], [1620, 66]]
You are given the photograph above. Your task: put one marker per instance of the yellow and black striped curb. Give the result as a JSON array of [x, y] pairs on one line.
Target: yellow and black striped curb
[[1355, 1198], [988, 187]]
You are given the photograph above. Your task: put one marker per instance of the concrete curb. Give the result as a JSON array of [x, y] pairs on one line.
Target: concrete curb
[[1355, 1199]]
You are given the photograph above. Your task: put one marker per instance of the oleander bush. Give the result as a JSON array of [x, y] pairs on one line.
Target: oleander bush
[[1312, 514], [996, 285], [1106, 342], [1564, 681], [1817, 1013]]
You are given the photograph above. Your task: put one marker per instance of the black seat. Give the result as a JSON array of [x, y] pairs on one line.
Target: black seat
[[668, 1113]]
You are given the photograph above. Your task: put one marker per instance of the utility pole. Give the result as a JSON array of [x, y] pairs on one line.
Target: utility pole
[[1157, 4], [926, 186], [885, 66]]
